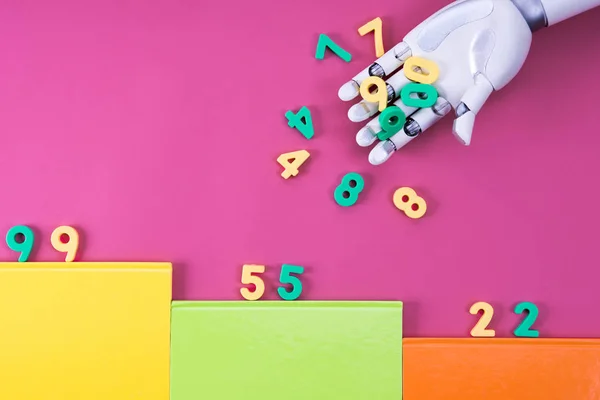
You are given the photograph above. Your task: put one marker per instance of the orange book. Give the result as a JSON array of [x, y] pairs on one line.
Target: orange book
[[501, 369]]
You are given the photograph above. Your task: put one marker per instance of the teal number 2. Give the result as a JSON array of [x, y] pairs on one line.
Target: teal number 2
[[287, 278], [25, 246], [524, 329]]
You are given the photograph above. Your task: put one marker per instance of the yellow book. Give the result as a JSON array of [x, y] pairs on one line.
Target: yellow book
[[84, 331]]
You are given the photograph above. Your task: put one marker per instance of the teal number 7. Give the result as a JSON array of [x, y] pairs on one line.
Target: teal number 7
[[286, 277]]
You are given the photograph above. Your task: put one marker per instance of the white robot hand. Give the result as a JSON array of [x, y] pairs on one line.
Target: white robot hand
[[478, 45]]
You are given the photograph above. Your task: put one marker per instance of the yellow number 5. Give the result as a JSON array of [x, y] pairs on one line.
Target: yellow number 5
[[249, 279]]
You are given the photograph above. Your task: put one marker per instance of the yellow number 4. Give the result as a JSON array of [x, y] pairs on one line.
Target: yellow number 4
[[291, 162]]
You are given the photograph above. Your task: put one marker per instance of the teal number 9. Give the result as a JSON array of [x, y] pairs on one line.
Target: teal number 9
[[392, 119], [524, 329], [286, 277], [23, 247]]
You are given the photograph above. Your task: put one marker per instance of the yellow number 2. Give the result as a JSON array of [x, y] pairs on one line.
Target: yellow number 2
[[291, 168], [480, 329], [375, 26], [249, 279]]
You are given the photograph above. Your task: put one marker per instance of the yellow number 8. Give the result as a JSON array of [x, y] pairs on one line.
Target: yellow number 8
[[406, 199]]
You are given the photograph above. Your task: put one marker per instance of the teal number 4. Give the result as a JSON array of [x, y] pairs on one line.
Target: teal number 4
[[302, 121], [286, 278], [524, 329], [324, 43]]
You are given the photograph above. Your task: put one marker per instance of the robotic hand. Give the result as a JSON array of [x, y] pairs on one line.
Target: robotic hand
[[479, 47]]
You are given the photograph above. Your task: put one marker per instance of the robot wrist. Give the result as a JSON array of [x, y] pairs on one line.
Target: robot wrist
[[533, 12]]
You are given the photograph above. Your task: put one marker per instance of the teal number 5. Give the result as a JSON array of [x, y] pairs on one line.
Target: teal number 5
[[524, 329], [286, 277]]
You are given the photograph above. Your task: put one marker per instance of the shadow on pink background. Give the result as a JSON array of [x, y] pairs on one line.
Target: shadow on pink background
[[153, 127]]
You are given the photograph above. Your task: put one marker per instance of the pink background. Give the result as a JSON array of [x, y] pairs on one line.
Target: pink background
[[153, 127]]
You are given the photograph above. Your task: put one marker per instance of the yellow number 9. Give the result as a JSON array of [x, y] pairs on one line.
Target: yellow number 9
[[380, 96], [70, 246]]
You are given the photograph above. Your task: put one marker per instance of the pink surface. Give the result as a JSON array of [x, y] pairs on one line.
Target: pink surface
[[154, 127]]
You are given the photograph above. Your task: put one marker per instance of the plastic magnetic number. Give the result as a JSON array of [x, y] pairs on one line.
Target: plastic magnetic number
[[352, 184], [392, 120], [249, 279], [420, 70], [374, 25], [287, 278], [430, 93], [524, 328], [291, 168], [302, 121], [324, 43], [70, 246], [23, 247], [407, 200], [480, 329], [380, 96]]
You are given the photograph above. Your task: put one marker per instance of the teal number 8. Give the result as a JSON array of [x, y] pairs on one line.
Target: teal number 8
[[23, 247], [524, 329], [346, 194]]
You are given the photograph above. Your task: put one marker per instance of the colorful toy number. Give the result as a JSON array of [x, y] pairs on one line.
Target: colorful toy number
[[287, 278], [380, 96], [374, 25], [69, 246], [346, 194], [424, 95], [324, 43], [392, 119], [291, 168], [249, 279], [420, 70], [407, 200], [480, 329], [25, 246], [302, 121], [524, 329]]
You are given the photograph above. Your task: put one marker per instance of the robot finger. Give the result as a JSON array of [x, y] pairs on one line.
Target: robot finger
[[383, 67]]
